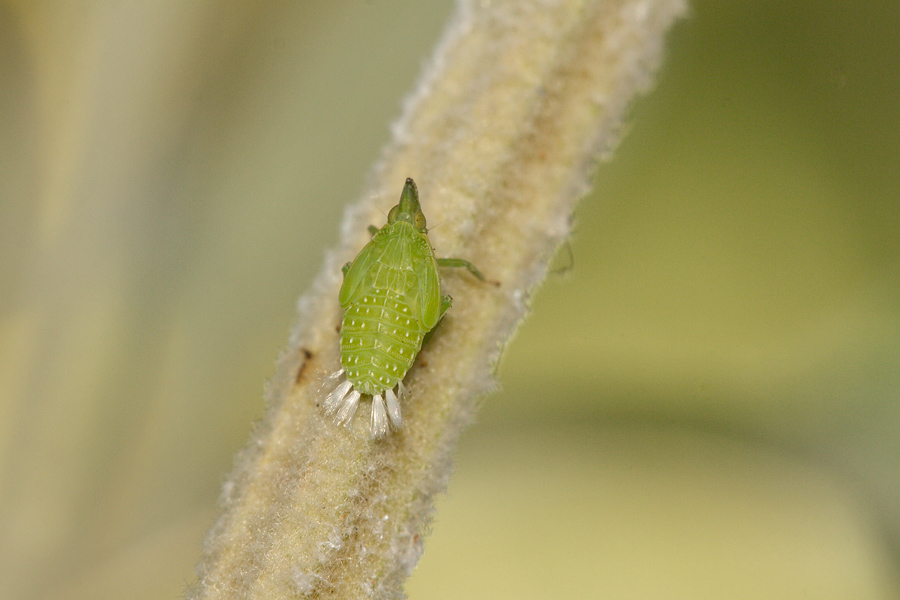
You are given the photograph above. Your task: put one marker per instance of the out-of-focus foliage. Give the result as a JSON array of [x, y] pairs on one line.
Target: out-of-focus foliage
[[723, 357]]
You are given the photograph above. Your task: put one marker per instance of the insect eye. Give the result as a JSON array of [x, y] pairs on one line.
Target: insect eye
[[392, 216], [420, 222]]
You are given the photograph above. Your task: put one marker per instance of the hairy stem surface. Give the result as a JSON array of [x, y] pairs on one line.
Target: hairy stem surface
[[502, 136]]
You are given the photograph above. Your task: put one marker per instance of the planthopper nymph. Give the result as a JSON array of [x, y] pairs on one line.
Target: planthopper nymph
[[392, 299]]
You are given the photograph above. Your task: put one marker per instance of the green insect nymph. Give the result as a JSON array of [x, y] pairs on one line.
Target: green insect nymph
[[391, 298]]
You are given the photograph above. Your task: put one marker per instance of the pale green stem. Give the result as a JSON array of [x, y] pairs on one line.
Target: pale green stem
[[502, 136]]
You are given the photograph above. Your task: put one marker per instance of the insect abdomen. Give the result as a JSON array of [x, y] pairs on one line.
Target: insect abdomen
[[380, 338]]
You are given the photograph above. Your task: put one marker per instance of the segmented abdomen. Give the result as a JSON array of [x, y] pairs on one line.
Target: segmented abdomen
[[380, 338]]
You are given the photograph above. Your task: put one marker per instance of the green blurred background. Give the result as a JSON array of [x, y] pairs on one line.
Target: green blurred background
[[704, 403]]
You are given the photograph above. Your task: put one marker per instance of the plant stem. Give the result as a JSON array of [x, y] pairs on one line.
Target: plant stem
[[502, 136]]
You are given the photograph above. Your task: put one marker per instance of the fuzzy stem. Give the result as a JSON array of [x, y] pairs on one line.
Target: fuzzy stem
[[502, 136]]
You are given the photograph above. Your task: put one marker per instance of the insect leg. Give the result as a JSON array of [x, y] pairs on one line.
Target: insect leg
[[459, 262], [446, 301], [373, 230]]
